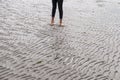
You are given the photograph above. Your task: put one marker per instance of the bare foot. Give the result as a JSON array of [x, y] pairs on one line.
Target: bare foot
[[61, 25], [51, 24]]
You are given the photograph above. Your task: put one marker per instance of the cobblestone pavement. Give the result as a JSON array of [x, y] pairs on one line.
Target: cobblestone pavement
[[87, 48]]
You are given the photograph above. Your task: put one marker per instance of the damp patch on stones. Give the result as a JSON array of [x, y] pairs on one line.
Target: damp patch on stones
[[118, 2], [39, 62], [99, 1], [101, 5]]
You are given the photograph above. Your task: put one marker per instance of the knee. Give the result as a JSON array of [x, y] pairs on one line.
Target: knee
[[60, 8], [54, 7]]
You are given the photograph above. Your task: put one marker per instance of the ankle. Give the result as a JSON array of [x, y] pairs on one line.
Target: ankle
[[52, 20], [60, 21]]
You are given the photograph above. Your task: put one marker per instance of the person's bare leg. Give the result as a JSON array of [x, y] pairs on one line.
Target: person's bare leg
[[52, 21]]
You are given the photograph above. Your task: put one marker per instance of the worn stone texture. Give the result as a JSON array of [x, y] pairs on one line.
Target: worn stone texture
[[87, 48]]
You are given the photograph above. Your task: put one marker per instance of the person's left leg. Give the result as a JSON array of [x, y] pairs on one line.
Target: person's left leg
[[54, 6], [60, 6]]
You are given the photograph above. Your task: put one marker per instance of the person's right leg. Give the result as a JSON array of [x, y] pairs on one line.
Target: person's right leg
[[60, 6], [54, 5]]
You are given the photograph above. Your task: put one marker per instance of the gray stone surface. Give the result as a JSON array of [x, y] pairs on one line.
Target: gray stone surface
[[87, 48]]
